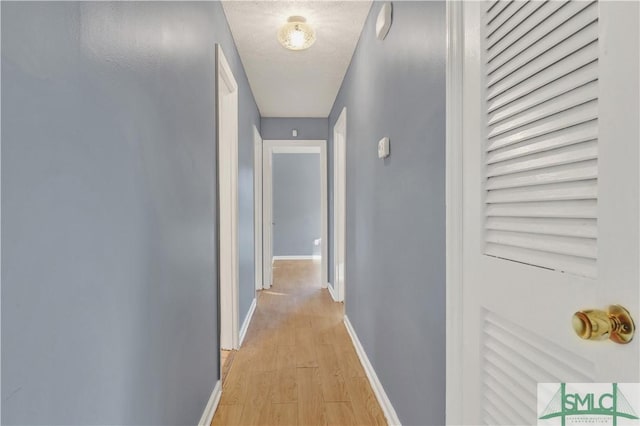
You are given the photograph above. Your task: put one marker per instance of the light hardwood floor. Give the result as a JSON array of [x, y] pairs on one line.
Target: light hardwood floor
[[297, 365], [226, 359]]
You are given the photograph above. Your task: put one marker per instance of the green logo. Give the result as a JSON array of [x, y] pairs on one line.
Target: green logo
[[581, 404]]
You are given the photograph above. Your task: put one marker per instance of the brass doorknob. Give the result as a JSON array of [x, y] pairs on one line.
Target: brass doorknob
[[615, 323]]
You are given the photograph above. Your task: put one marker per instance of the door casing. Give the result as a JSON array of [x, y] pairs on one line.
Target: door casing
[[454, 205], [227, 188], [257, 204], [269, 147], [337, 288]]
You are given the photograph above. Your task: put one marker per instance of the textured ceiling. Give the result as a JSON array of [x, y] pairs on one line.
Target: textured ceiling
[[301, 83]]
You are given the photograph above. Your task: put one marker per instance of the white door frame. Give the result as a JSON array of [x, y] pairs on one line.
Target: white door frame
[[291, 146], [257, 204], [227, 163], [339, 208], [454, 209]]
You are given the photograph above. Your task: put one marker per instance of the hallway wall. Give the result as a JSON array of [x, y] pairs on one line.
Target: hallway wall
[[296, 204], [109, 301], [395, 259], [308, 128]]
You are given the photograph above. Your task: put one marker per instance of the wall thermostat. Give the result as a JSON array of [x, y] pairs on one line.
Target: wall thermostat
[[383, 148], [383, 23]]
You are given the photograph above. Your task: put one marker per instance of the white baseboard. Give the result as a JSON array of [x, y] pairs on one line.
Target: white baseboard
[[332, 292], [212, 405], [247, 321], [378, 390], [314, 257]]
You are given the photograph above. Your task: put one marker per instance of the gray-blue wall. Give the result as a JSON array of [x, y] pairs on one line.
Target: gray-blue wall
[[109, 300], [308, 128], [296, 204], [395, 258]]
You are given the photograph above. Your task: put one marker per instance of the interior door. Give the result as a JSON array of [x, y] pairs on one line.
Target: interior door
[[550, 194]]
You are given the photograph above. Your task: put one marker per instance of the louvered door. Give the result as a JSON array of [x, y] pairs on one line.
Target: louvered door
[[551, 206], [542, 133]]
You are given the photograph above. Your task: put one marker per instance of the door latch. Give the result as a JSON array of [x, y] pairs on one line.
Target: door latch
[[615, 324]]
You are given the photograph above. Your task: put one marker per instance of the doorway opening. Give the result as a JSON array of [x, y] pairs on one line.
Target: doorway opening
[[294, 206]]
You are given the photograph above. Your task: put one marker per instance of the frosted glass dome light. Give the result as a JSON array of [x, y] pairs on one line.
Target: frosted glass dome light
[[296, 34]]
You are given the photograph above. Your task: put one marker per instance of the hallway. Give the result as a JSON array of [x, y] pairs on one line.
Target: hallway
[[297, 364]]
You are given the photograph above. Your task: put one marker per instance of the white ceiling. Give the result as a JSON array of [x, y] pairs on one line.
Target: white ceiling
[[296, 83]]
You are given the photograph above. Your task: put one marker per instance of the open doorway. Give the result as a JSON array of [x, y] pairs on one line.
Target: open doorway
[[294, 206], [227, 165]]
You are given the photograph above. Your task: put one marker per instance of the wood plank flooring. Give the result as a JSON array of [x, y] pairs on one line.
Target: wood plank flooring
[[226, 359], [297, 365]]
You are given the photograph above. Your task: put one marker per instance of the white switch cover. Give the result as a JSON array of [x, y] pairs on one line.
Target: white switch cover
[[383, 148], [294, 132]]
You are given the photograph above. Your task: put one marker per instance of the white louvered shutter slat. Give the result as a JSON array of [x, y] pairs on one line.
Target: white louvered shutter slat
[[578, 96], [585, 209], [541, 161], [565, 67], [562, 85], [565, 155], [554, 261], [574, 116], [525, 68], [567, 136], [502, 23], [496, 9], [549, 33], [577, 190], [580, 10], [540, 12], [582, 228], [505, 32], [564, 173]]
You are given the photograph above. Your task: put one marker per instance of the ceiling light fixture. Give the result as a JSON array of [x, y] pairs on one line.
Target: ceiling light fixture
[[296, 34]]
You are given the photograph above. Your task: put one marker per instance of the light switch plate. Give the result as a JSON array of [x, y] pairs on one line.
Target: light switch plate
[[383, 148]]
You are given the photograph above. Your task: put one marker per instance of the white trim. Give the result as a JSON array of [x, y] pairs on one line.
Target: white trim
[[212, 405], [332, 292], [1, 238], [291, 146], [247, 321], [339, 204], [257, 206], [454, 209], [378, 390], [267, 222], [295, 150], [227, 162], [312, 257]]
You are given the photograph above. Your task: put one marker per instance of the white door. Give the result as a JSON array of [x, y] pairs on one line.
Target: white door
[[339, 200], [550, 198]]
